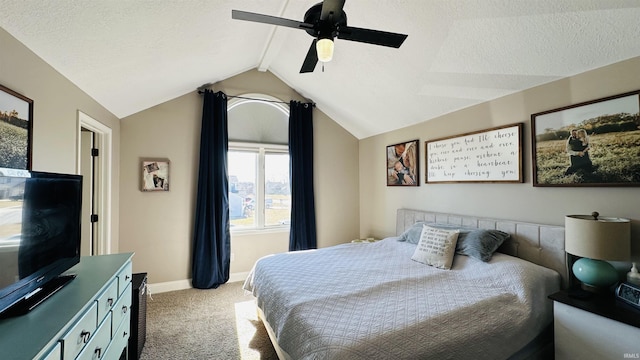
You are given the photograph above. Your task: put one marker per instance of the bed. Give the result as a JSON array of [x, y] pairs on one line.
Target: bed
[[372, 301]]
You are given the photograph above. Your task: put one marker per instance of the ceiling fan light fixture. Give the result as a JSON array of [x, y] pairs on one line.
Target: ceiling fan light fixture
[[324, 48]]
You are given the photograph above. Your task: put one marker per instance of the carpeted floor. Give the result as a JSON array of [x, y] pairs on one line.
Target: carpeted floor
[[217, 324]]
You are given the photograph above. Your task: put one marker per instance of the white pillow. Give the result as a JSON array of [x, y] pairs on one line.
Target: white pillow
[[436, 247]]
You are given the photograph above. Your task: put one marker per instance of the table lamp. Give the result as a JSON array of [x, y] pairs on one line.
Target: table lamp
[[597, 239]]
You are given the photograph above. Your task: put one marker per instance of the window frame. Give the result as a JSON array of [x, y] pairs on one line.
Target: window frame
[[261, 149]]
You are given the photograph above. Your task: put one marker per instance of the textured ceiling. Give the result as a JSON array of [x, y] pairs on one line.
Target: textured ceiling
[[131, 55]]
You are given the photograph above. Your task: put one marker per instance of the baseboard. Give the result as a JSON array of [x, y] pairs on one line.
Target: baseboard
[[158, 288], [238, 277]]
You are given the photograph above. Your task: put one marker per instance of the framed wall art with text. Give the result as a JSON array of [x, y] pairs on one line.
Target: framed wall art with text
[[493, 155]]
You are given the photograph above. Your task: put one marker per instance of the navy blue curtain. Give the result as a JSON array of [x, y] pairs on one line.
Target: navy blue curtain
[[211, 243], [303, 211]]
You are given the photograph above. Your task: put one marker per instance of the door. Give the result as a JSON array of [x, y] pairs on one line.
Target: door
[[94, 162], [87, 170]]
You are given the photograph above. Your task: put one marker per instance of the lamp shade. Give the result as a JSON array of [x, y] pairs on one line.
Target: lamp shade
[[324, 48], [602, 238]]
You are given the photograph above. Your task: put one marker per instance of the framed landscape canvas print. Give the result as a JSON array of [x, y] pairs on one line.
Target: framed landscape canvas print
[[16, 116], [402, 164], [595, 143], [155, 175]]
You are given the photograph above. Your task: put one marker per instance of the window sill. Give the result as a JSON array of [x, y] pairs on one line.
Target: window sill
[[270, 230]]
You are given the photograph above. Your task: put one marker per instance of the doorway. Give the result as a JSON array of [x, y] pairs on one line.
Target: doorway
[[94, 164]]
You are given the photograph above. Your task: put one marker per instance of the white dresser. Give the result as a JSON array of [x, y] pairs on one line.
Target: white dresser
[[87, 319]]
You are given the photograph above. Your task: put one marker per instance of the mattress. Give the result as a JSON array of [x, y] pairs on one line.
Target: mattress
[[371, 301]]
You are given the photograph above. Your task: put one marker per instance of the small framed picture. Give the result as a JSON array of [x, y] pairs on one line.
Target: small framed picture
[[402, 164], [16, 124], [595, 143], [155, 175]]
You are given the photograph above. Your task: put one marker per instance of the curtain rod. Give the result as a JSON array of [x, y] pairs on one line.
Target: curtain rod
[[257, 99]]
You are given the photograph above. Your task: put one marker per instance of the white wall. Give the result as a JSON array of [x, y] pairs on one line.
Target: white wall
[[523, 202], [158, 226], [56, 102]]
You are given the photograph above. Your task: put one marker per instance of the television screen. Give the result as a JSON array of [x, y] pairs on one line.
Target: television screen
[[40, 215]]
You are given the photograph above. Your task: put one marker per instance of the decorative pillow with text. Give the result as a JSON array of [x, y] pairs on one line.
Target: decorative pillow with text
[[436, 247]]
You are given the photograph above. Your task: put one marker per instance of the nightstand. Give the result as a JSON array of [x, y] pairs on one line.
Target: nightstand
[[596, 328]]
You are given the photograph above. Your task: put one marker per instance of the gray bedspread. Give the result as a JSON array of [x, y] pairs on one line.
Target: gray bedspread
[[371, 301]]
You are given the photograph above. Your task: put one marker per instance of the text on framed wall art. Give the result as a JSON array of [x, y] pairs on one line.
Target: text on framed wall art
[[493, 155]]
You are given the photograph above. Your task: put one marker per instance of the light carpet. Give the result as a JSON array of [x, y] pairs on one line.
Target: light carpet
[[199, 324]]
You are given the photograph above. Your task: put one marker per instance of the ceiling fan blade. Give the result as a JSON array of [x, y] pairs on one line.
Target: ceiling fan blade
[[311, 60], [369, 36], [267, 19], [329, 6]]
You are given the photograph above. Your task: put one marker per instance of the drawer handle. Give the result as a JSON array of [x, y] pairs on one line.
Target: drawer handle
[[124, 309], [110, 302], [84, 336], [97, 353]]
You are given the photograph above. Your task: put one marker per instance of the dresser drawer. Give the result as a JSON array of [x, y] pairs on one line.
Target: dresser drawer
[[78, 335], [122, 307], [97, 346], [124, 278], [54, 354], [107, 299], [120, 338]]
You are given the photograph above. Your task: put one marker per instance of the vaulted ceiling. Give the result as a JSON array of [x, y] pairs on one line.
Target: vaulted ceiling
[[131, 55]]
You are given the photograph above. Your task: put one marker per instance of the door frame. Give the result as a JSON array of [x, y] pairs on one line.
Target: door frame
[[103, 186]]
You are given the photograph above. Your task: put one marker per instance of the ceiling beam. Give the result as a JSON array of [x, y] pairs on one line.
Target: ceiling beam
[[274, 43]]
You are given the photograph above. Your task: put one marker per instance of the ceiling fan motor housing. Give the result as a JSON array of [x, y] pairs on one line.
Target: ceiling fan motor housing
[[324, 29]]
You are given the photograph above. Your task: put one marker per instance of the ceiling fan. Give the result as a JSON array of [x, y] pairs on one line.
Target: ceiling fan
[[325, 21]]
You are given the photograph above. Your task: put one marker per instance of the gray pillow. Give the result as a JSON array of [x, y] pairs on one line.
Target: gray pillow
[[476, 243], [480, 243], [412, 234]]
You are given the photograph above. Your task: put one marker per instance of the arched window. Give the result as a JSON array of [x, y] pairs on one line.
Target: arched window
[[258, 163]]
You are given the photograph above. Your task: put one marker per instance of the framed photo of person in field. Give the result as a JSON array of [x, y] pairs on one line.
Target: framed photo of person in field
[[595, 143], [16, 123]]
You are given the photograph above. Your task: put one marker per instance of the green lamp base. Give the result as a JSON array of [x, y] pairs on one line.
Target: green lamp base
[[595, 275]]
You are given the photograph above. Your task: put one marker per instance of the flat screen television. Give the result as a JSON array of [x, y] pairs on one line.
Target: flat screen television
[[40, 216]]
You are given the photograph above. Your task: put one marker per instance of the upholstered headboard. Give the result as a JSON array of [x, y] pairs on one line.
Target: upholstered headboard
[[537, 243]]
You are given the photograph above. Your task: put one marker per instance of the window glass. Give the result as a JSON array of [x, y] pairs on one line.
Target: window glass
[[242, 187], [277, 192], [259, 192]]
